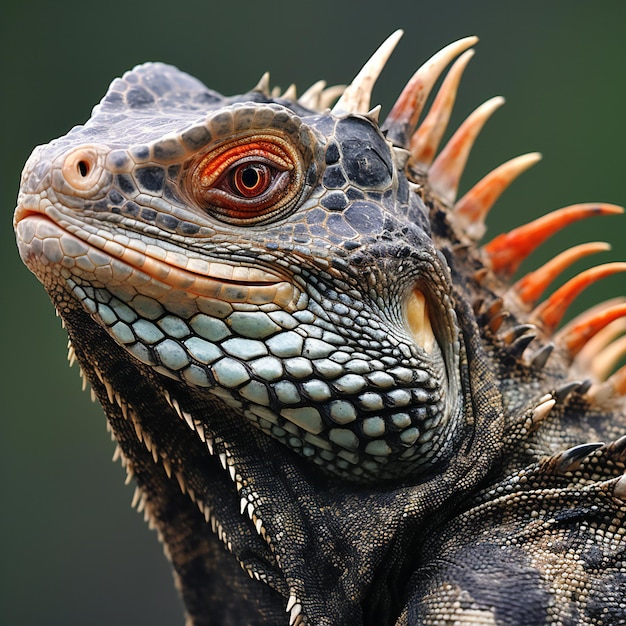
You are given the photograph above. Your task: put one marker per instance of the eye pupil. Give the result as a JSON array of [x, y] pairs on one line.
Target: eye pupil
[[252, 179]]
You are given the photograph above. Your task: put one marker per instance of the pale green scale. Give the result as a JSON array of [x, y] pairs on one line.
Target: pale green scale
[[371, 401], [378, 447], [267, 367], [328, 369], [283, 319], [209, 327], [298, 367], [381, 379], [286, 344], [350, 383], [358, 366], [317, 390], [90, 306], [244, 349], [201, 350], [173, 326], [328, 455], [254, 325], [374, 426], [401, 420], [305, 316], [317, 349], [409, 436], [79, 291], [342, 412], [172, 354], [344, 438], [122, 333], [107, 315], [123, 311], [196, 376], [147, 332], [399, 397], [278, 431], [307, 417], [148, 308], [256, 392], [403, 374], [421, 396], [333, 338], [369, 465], [287, 392], [307, 451], [229, 372], [339, 356]]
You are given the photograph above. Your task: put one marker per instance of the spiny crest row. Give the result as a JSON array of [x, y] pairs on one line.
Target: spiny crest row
[[596, 336]]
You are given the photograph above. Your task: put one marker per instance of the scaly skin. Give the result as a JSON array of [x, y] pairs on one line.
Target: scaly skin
[[322, 387]]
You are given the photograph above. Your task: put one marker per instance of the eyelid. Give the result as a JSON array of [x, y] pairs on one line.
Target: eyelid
[[212, 188], [256, 150]]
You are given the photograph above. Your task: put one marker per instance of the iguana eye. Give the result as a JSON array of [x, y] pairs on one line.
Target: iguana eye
[[248, 181]]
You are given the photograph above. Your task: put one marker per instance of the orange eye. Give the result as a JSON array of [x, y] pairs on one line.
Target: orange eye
[[249, 180]]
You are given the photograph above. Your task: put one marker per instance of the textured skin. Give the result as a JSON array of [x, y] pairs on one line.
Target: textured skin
[[308, 450]]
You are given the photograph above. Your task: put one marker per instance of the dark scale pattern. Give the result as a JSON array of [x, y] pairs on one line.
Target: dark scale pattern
[[295, 345]]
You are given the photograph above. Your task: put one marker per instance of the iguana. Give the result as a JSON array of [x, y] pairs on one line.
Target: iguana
[[337, 405]]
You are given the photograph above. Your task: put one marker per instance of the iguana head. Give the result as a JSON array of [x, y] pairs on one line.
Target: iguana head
[[266, 251], [294, 293]]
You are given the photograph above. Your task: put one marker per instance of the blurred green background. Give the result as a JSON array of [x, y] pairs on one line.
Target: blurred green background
[[71, 549]]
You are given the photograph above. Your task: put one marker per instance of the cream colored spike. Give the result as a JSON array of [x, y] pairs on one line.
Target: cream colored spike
[[405, 112], [311, 97], [263, 86], [318, 97], [356, 98], [291, 93], [329, 95], [426, 139]]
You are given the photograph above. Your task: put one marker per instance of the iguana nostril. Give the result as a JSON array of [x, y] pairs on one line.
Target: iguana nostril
[[81, 168]]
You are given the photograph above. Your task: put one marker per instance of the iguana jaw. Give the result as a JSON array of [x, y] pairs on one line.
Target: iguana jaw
[[138, 264]]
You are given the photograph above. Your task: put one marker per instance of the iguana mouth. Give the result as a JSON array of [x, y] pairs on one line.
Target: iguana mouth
[[76, 247]]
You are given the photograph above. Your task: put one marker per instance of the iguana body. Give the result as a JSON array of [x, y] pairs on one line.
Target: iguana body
[[336, 408]]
